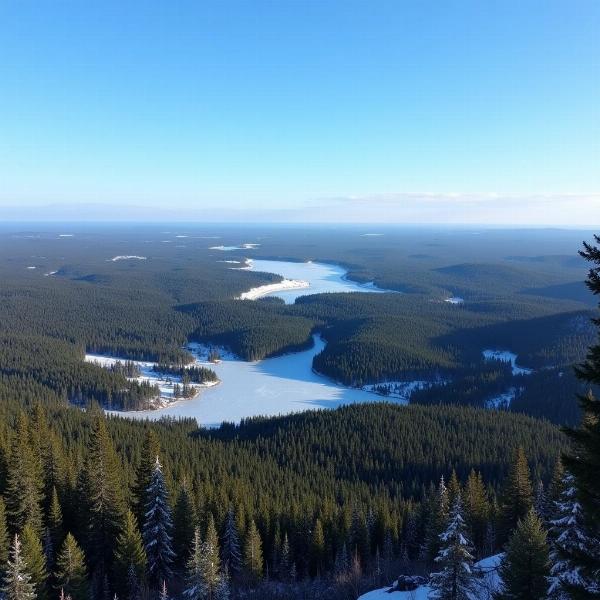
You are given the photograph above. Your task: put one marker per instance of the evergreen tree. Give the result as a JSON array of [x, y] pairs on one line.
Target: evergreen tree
[[518, 495], [211, 562], [150, 450], [55, 521], [164, 592], [24, 484], [223, 589], [157, 528], [101, 494], [230, 550], [184, 517], [285, 563], [318, 548], [438, 519], [130, 556], [195, 586], [71, 572], [584, 461], [455, 580], [17, 580], [571, 546], [526, 566], [35, 559], [4, 543], [477, 510], [253, 558]]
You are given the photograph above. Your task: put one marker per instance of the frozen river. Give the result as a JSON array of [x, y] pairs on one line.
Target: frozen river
[[320, 278], [273, 386]]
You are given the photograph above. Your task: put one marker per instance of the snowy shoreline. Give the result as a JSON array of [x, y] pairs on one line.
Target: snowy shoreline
[[271, 288]]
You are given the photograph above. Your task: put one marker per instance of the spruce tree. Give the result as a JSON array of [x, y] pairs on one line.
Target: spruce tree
[[285, 563], [157, 528], [517, 497], [55, 521], [71, 573], [101, 490], [231, 553], [477, 510], [150, 450], [437, 521], [17, 580], [571, 545], [184, 517], [584, 461], [253, 558], [130, 556], [4, 540], [35, 559], [24, 485], [526, 566], [318, 549], [195, 586], [455, 580], [211, 562]]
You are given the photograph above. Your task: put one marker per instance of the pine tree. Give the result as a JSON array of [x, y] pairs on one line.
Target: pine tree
[[342, 564], [4, 543], [518, 494], [223, 589], [570, 546], [526, 566], [130, 556], [184, 517], [71, 572], [455, 580], [157, 528], [253, 558], [17, 581], [230, 550], [24, 484], [35, 559], [540, 502], [285, 563]]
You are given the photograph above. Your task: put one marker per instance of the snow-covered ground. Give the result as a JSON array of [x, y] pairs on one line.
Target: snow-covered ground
[[487, 584], [231, 248], [127, 257], [502, 400], [166, 383], [454, 300], [274, 386], [401, 390], [271, 289], [50, 273], [509, 357]]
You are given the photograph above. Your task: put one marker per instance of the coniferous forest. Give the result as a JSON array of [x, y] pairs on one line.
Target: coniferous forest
[[324, 504]]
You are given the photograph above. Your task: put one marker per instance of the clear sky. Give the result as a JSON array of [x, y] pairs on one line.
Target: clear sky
[[424, 111]]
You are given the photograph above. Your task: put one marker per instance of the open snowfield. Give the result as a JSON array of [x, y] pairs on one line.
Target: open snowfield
[[127, 257], [454, 300], [271, 289]]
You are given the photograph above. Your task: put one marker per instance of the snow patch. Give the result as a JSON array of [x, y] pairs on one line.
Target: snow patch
[[127, 257], [271, 288], [509, 357], [454, 300], [30, 268], [400, 390]]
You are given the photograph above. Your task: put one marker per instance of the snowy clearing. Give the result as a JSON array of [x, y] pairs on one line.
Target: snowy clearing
[[401, 390], [508, 357], [30, 268], [127, 257], [487, 585], [50, 273], [454, 300], [165, 383]]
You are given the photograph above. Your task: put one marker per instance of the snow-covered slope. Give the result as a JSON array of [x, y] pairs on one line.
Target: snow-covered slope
[[488, 583]]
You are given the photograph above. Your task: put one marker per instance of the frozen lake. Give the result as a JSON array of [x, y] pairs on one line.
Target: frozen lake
[[274, 386], [321, 278]]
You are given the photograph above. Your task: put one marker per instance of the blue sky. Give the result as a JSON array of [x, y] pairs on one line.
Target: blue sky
[[484, 112]]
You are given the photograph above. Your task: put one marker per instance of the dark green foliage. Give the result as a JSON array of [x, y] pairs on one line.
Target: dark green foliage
[[517, 495], [71, 573], [526, 566], [33, 555]]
